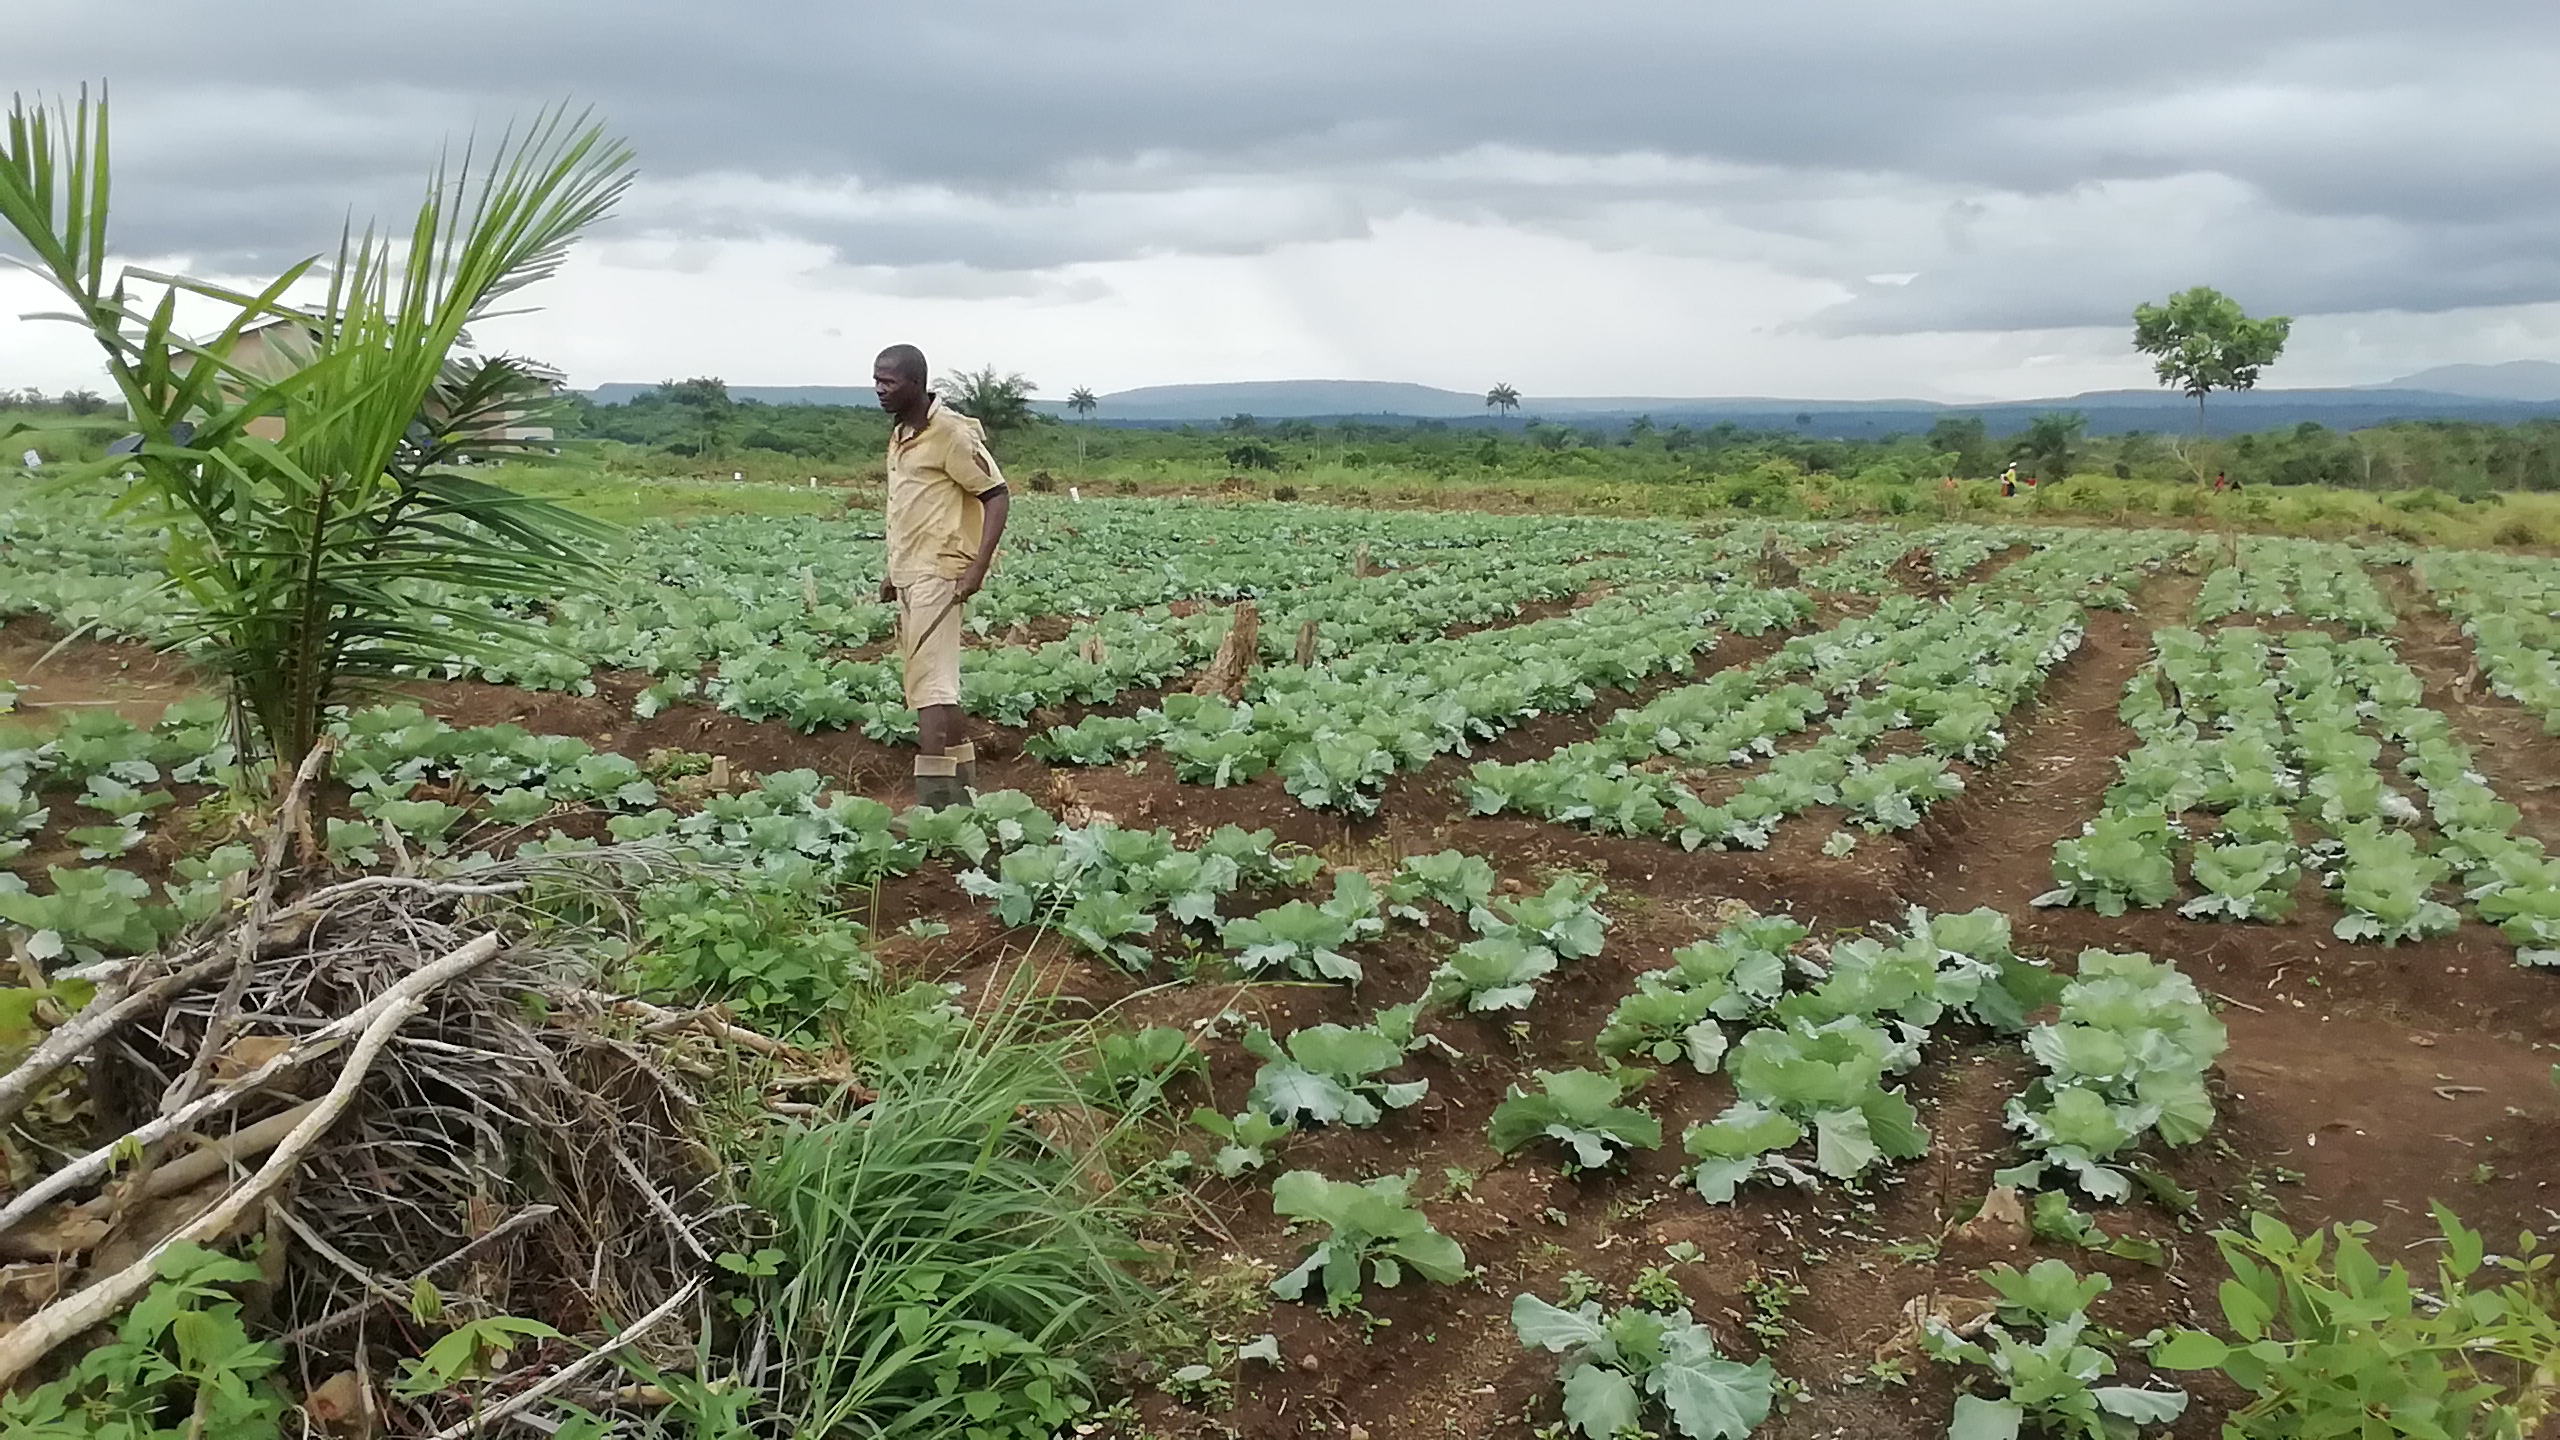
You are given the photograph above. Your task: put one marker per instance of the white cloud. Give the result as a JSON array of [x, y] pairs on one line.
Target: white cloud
[[1422, 298]]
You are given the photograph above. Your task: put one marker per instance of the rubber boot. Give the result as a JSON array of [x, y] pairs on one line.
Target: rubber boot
[[964, 760], [938, 783]]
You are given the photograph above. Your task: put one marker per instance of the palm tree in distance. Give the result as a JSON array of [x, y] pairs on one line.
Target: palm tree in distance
[[1081, 400], [1502, 398]]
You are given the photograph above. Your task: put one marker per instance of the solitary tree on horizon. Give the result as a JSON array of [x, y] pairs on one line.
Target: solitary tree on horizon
[[1502, 399], [2202, 341], [1081, 400]]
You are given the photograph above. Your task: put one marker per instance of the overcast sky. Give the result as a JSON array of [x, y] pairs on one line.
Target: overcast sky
[[1827, 199]]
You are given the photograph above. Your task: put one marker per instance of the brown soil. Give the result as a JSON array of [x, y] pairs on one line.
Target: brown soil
[[136, 681]]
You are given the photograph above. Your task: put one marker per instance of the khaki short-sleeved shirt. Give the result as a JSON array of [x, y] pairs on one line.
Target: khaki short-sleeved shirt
[[936, 474]]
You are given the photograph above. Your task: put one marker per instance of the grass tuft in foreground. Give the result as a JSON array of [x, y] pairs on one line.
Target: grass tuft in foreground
[[958, 1255]]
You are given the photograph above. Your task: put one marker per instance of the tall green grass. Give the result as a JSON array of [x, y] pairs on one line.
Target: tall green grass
[[958, 1254]]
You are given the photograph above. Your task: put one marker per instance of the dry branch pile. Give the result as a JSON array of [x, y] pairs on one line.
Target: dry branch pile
[[389, 1079]]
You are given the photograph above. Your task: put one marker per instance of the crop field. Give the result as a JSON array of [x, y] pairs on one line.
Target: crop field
[[1588, 976]]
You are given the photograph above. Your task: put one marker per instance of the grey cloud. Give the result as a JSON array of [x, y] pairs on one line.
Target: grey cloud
[[2017, 269], [961, 282], [931, 225], [1017, 137]]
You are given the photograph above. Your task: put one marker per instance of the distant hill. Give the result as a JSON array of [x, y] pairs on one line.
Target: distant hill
[[2512, 380], [1300, 399], [2110, 412]]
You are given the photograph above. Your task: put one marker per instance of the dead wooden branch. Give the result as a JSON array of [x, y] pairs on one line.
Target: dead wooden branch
[[658, 1020], [97, 1162], [194, 1167], [101, 1299], [226, 1012], [112, 1006], [505, 1230], [320, 1246]]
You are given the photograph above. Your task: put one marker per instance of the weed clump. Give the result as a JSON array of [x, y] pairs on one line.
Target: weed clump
[[955, 1252]]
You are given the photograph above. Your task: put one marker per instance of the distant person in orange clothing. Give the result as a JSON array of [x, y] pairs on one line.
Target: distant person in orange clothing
[[2221, 481]]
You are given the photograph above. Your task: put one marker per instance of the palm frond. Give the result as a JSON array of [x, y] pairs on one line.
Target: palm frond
[[346, 551]]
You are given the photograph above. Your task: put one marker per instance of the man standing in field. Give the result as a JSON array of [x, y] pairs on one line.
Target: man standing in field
[[947, 508]]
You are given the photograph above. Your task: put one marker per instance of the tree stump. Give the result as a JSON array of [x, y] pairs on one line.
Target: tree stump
[[1776, 570], [1236, 655], [1307, 643]]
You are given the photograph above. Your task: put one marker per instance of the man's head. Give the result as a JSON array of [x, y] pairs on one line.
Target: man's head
[[898, 378]]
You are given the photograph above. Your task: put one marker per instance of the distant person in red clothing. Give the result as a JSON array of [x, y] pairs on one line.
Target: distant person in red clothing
[[2221, 481]]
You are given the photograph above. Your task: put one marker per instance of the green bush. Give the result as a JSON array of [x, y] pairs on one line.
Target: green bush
[[2331, 1342], [1757, 491]]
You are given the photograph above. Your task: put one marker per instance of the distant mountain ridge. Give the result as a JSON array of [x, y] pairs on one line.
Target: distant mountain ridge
[[1302, 399], [2504, 394], [2533, 380]]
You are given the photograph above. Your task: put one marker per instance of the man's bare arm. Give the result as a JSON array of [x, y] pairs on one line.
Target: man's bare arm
[[999, 505]]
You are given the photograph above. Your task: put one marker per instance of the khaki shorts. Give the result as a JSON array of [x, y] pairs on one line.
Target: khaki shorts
[[929, 641]]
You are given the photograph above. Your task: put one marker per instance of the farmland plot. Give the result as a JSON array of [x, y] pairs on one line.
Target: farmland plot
[[2310, 578], [1506, 1037]]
